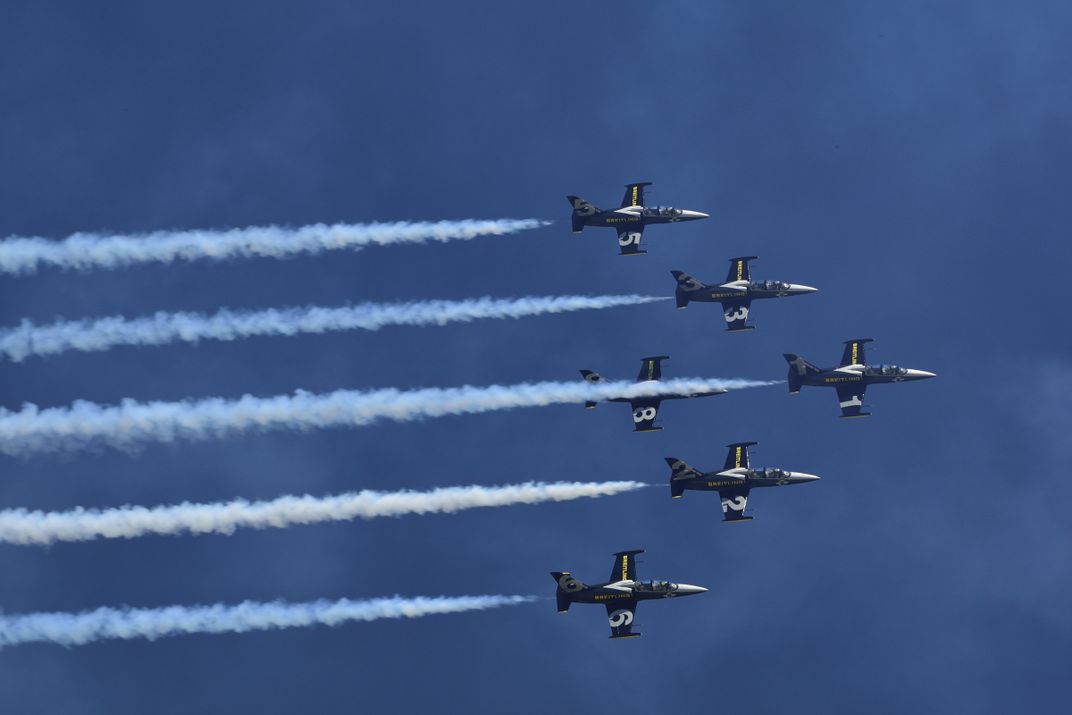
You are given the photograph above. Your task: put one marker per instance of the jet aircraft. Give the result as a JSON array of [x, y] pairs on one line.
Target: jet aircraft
[[620, 594], [646, 408], [630, 219], [736, 294], [733, 483], [850, 378]]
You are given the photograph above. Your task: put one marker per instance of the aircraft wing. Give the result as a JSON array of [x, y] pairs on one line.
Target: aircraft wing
[[736, 314], [854, 352], [634, 194], [620, 616], [734, 501], [644, 413], [629, 240], [624, 568], [851, 399]]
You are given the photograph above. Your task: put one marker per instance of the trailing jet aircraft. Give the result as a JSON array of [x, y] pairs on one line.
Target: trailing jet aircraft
[[733, 483], [620, 595], [736, 294], [850, 378], [646, 408], [630, 219]]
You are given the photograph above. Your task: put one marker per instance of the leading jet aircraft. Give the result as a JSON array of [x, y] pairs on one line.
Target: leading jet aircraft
[[733, 483], [630, 219], [646, 408], [850, 378], [620, 594], [736, 294]]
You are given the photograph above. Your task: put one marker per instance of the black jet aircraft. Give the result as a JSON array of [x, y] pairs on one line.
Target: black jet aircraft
[[850, 378], [734, 482], [646, 408], [629, 220], [736, 294], [620, 594]]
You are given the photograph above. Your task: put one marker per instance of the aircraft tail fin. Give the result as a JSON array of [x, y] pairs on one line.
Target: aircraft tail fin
[[594, 378], [679, 474], [567, 585], [677, 489], [581, 211], [798, 367], [686, 284], [564, 601]]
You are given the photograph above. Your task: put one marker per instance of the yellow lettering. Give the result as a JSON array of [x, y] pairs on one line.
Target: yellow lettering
[[854, 347], [740, 270], [625, 559], [635, 189], [738, 457]]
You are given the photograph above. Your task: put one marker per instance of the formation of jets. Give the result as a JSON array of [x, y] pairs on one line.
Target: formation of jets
[[735, 481]]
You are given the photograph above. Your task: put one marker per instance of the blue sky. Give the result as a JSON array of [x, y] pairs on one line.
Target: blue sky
[[909, 159]]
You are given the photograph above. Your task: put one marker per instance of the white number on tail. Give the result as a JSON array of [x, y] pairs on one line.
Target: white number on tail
[[621, 617], [629, 239]]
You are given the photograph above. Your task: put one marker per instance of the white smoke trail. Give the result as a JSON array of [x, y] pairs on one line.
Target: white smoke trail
[[85, 424], [84, 251], [19, 526], [152, 623], [103, 333]]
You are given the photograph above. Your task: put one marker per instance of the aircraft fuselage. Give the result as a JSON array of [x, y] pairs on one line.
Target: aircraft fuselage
[[863, 375], [639, 216], [758, 291], [750, 479], [633, 591]]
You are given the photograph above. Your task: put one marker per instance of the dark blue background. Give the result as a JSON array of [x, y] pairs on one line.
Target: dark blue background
[[910, 159]]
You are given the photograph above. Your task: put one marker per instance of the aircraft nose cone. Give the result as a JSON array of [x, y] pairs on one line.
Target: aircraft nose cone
[[684, 589], [694, 214], [802, 289], [804, 477], [920, 374]]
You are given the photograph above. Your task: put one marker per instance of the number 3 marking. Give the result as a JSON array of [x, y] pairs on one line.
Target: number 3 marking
[[739, 314]]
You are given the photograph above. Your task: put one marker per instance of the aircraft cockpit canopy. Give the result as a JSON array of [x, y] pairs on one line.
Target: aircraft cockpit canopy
[[768, 473], [769, 285], [658, 586], [665, 211], [888, 370]]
